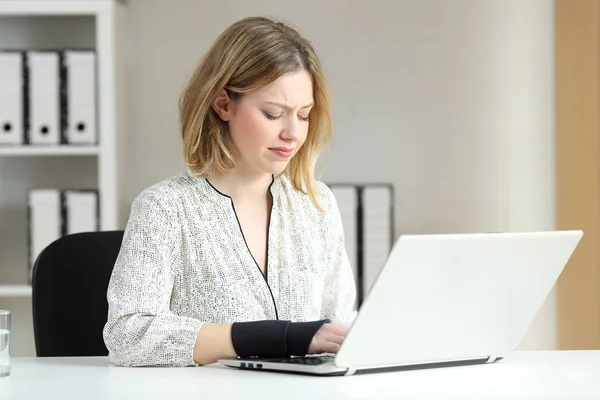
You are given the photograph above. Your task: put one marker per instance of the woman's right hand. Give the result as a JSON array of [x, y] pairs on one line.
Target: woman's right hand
[[328, 339]]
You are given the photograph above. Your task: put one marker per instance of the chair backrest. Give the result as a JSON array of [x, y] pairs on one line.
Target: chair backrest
[[69, 282]]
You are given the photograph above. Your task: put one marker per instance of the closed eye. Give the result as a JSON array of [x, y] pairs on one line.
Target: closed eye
[[276, 117], [272, 117]]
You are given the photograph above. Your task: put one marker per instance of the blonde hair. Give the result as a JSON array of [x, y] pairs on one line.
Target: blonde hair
[[246, 57]]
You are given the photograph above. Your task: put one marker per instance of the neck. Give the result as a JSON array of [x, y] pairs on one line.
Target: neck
[[241, 185]]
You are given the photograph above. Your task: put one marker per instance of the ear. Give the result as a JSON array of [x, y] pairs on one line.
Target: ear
[[223, 105]]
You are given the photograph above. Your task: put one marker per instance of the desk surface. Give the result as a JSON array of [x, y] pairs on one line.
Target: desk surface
[[521, 375]]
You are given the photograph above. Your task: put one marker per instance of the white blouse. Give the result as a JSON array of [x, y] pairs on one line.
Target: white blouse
[[184, 262]]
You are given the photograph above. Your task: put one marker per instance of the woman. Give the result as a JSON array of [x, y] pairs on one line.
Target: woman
[[244, 254]]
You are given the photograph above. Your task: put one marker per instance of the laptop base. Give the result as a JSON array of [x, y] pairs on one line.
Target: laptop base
[[328, 368]]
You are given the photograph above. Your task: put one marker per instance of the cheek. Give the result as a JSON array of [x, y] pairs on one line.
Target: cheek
[[251, 128], [303, 136]]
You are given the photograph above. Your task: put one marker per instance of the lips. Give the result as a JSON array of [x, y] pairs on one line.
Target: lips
[[284, 152]]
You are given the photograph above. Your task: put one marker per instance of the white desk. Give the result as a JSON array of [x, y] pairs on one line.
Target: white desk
[[522, 375]]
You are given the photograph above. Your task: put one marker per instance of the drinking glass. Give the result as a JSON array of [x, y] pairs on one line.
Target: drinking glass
[[4, 343]]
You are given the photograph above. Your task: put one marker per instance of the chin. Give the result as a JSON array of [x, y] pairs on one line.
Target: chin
[[276, 169]]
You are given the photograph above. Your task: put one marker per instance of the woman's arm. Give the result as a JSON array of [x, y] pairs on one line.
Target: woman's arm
[[213, 343], [339, 294], [141, 329]]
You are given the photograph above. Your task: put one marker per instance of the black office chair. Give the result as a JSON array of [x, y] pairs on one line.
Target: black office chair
[[69, 281]]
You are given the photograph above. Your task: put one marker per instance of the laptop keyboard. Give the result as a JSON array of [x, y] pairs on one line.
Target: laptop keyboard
[[305, 360]]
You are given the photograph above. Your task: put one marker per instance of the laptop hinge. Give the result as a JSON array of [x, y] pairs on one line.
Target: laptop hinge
[[491, 359], [350, 371]]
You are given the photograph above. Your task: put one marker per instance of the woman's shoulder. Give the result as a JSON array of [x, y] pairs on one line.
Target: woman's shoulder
[[169, 190], [325, 196]]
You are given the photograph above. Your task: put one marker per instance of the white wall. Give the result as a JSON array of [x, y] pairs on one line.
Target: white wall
[[452, 101]]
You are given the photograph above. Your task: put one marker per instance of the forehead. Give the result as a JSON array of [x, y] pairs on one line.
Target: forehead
[[295, 89]]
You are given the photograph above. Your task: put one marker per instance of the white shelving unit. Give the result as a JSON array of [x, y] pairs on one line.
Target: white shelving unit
[[60, 24], [15, 290], [32, 151]]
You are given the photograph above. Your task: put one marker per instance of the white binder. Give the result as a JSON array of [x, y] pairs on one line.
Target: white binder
[[11, 98], [44, 220], [377, 232], [80, 211], [79, 97], [44, 97], [347, 201]]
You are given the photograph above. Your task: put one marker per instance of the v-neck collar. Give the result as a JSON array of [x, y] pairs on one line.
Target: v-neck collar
[[227, 202], [216, 195]]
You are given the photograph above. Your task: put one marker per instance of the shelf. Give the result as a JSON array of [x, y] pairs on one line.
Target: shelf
[[15, 291], [34, 151], [53, 7]]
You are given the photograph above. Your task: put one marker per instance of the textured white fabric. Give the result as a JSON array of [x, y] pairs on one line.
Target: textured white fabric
[[184, 262]]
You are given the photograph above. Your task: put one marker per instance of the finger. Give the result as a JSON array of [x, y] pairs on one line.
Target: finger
[[333, 338], [338, 329], [330, 347], [330, 337]]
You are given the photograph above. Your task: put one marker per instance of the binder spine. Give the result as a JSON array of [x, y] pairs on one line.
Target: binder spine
[[29, 244], [64, 215], [43, 214], [96, 105], [26, 111], [97, 208], [11, 129], [360, 293], [64, 98], [392, 216], [68, 221]]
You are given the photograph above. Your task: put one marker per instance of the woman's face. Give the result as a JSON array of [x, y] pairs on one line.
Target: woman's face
[[268, 127]]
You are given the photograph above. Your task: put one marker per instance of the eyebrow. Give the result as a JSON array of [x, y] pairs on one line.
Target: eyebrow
[[283, 105]]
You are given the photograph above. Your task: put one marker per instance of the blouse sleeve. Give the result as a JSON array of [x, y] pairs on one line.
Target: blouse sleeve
[[339, 294], [141, 329]]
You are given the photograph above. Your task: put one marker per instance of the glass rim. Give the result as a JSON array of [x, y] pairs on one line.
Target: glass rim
[[4, 312]]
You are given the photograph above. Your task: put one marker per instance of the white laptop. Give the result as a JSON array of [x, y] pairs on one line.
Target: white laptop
[[444, 300]]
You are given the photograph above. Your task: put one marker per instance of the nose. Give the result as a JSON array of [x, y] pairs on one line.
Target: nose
[[292, 130]]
